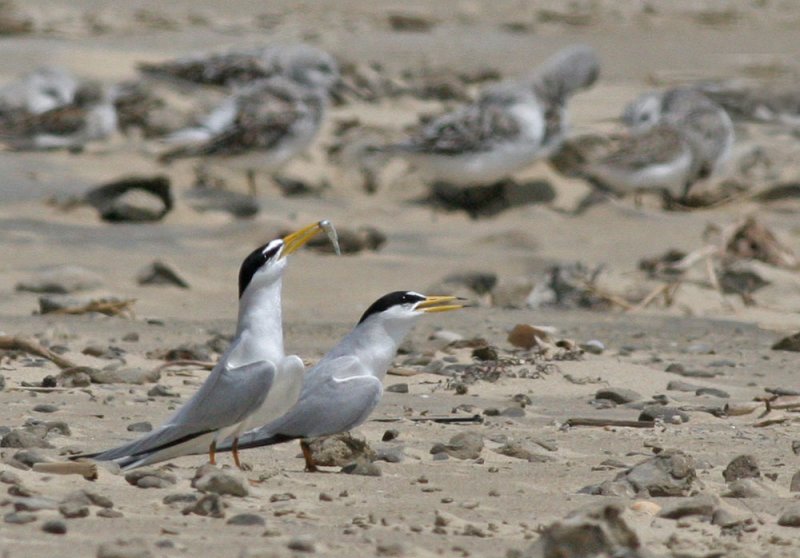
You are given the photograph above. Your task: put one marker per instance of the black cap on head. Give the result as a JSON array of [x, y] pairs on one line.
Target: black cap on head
[[255, 261], [392, 299]]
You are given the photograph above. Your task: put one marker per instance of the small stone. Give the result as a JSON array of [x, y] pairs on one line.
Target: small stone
[[10, 477], [698, 505], [132, 548], [391, 434], [675, 368], [618, 395], [465, 445], [89, 498], [24, 438], [724, 518], [131, 337], [742, 467], [210, 505], [211, 480], [45, 408], [150, 478], [159, 390], [247, 520], [33, 503], [518, 451], [160, 273], [486, 353], [678, 385], [790, 517], [790, 343], [794, 484], [670, 473], [140, 427], [109, 514], [364, 468], [749, 488], [713, 392], [19, 518], [340, 450], [390, 453], [72, 509], [179, 499], [54, 527], [594, 347], [63, 279], [397, 388], [669, 415], [304, 543], [325, 497], [282, 497]]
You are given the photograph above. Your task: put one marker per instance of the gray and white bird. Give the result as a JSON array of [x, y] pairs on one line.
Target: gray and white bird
[[253, 382], [41, 90], [303, 63], [345, 386], [511, 125]]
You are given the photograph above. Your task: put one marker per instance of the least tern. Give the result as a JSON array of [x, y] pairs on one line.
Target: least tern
[[343, 388], [511, 125], [252, 383]]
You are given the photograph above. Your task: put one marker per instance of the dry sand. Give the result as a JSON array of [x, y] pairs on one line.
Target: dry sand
[[505, 499]]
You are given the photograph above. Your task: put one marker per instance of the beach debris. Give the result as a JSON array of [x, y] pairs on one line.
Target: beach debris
[[742, 467], [789, 343], [54, 527], [611, 423], [593, 531], [62, 279], [143, 426], [63, 304], [670, 473], [669, 415], [31, 346], [150, 478], [618, 395], [135, 199], [208, 478], [161, 273], [86, 469], [464, 445]]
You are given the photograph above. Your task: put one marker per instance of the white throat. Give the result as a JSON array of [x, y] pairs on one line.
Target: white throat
[[260, 327]]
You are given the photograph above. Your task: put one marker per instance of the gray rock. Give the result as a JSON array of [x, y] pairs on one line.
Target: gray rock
[[45, 408], [159, 390], [76, 377], [397, 388], [89, 497], [134, 199], [211, 480], [713, 392], [109, 514], [160, 273], [391, 453], [518, 451], [34, 504], [698, 505], [71, 509], [10, 477], [131, 548], [340, 450], [54, 527], [748, 488], [594, 347], [140, 427], [590, 532], [790, 343], [678, 385], [247, 520], [725, 518], [189, 498], [790, 517], [303, 543], [19, 518], [669, 415], [362, 467], [742, 467], [63, 279], [465, 445], [134, 376], [24, 438], [670, 473], [210, 505], [150, 478], [618, 395], [389, 435]]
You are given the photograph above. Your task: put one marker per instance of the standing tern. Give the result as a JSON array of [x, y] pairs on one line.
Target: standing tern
[[253, 382], [341, 391]]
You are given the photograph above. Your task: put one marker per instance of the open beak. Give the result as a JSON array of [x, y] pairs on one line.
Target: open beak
[[439, 304], [296, 240]]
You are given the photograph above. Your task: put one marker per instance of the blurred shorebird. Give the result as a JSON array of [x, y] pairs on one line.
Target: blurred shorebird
[[510, 125], [42, 90]]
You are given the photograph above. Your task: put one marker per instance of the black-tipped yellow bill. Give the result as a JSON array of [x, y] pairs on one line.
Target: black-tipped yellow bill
[[439, 304], [296, 240]]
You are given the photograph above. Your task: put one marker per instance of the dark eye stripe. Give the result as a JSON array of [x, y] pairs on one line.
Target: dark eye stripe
[[392, 299], [254, 262]]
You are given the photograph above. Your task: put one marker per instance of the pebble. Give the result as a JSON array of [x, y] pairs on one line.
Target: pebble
[[32, 504], [209, 479], [247, 520], [159, 390], [19, 518], [790, 517], [179, 499], [140, 427], [670, 473], [63, 279], [713, 392], [303, 543], [667, 414], [54, 527], [390, 453], [742, 467], [397, 388], [594, 347], [790, 343], [109, 514], [678, 385], [45, 408], [161, 273], [391, 434], [150, 478], [72, 509], [89, 497], [518, 451], [340, 450], [365, 468], [698, 505], [724, 518], [132, 548], [325, 497], [749, 488], [618, 395], [210, 505], [282, 497], [24, 438], [465, 445], [10, 477]]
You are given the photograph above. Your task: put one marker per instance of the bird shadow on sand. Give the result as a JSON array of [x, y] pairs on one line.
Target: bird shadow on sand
[[489, 200]]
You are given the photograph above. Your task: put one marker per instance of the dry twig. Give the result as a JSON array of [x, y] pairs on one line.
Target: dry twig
[[19, 343]]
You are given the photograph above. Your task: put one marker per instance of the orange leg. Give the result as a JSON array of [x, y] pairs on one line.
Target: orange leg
[[310, 466], [235, 451], [212, 450]]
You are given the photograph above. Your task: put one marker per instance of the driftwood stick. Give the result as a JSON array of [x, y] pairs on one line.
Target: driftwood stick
[[610, 422], [19, 343]]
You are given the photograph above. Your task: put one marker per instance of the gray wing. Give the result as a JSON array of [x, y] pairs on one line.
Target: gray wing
[[227, 397], [339, 395]]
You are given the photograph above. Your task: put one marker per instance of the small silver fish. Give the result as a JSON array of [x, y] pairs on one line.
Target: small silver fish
[[330, 230]]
